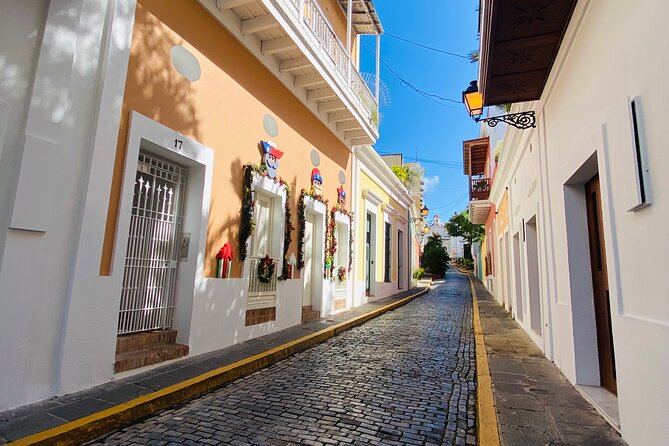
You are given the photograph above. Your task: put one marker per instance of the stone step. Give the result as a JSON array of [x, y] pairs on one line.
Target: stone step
[[308, 314], [141, 341], [135, 359]]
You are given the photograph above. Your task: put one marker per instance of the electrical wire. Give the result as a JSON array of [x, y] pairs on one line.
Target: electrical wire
[[405, 83], [441, 163], [452, 204], [426, 47]]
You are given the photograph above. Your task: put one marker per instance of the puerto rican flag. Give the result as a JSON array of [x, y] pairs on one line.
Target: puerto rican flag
[[270, 148]]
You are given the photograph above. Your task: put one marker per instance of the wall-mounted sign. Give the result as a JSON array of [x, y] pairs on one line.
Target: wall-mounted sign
[[184, 244]]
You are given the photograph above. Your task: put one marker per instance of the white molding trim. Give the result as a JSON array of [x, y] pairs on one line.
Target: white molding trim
[[389, 209], [154, 137], [315, 206], [371, 197], [342, 218], [375, 168]]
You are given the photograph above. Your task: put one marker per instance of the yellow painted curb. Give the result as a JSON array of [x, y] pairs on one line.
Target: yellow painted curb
[[100, 423], [486, 415]]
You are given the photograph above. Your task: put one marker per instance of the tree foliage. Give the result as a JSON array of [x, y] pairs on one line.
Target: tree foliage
[[401, 172], [460, 226], [435, 258]]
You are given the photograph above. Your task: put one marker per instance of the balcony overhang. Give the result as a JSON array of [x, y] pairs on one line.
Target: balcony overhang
[[478, 211], [364, 20], [296, 43], [474, 155], [519, 42]]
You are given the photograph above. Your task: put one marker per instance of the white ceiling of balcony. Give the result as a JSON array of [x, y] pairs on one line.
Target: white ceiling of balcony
[[256, 21], [364, 20]]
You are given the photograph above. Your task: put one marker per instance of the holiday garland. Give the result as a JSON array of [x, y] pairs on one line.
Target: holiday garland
[[287, 233], [302, 222], [247, 225], [331, 240]]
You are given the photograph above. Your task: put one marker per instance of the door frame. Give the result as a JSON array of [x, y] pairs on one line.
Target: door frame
[[153, 137], [600, 285], [400, 258], [319, 210]]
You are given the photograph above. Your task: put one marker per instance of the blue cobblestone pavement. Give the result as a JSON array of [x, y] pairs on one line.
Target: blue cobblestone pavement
[[404, 378]]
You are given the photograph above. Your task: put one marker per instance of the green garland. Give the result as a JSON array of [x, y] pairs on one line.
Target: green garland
[[287, 232], [302, 222], [247, 225], [331, 240]]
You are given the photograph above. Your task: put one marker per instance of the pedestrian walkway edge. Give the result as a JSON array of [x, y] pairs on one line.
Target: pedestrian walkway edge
[[100, 423], [486, 415]]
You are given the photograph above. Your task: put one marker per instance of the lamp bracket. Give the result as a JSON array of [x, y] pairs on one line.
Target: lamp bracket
[[522, 121]]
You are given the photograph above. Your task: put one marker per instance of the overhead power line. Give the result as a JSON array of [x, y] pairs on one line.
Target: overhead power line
[[452, 204], [405, 83], [462, 56]]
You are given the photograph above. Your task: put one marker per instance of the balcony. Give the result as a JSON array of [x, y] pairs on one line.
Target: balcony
[[479, 189], [295, 40], [476, 160]]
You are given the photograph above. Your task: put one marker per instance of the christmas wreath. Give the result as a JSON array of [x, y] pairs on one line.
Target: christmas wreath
[[266, 269], [341, 273]]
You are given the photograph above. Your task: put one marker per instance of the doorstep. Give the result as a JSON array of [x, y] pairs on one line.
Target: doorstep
[[82, 416], [604, 401]]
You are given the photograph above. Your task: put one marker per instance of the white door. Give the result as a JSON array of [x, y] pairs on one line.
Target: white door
[[262, 293], [149, 275], [308, 259]]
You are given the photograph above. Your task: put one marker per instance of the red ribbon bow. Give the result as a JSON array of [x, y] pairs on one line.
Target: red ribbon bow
[[225, 253]]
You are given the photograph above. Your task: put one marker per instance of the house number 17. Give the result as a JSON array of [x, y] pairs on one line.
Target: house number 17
[[178, 143]]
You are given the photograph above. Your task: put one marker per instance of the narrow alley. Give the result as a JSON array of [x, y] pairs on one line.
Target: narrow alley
[[405, 378]]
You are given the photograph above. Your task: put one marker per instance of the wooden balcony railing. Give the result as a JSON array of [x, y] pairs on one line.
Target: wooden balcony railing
[[479, 189]]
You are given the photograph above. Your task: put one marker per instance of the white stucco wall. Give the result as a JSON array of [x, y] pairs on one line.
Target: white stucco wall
[[612, 51], [63, 103]]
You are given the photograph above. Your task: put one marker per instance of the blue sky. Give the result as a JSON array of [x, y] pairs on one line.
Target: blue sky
[[412, 122]]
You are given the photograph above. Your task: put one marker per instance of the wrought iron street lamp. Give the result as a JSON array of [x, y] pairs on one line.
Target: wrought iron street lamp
[[424, 211], [473, 100]]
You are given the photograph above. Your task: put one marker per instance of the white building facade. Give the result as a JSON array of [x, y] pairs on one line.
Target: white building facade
[[583, 198], [454, 245]]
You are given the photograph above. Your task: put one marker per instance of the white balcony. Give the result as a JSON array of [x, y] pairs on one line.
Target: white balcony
[[296, 42]]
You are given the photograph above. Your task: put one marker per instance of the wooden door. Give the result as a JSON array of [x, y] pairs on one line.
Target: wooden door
[[600, 285]]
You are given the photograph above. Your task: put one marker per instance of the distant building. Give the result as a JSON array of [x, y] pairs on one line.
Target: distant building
[[415, 185], [454, 245]]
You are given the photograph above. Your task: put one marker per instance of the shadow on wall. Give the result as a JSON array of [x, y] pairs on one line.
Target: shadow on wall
[[167, 94], [222, 49], [220, 231]]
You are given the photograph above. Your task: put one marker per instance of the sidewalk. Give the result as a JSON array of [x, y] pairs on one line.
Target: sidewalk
[[535, 403], [77, 417]]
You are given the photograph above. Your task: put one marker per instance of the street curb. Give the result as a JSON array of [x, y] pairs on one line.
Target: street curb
[[487, 432], [100, 423]]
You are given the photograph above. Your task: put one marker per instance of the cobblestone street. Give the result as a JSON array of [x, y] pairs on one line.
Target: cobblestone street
[[406, 377]]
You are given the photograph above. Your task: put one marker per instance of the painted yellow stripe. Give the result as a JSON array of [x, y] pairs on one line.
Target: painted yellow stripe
[[486, 416], [100, 423]]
